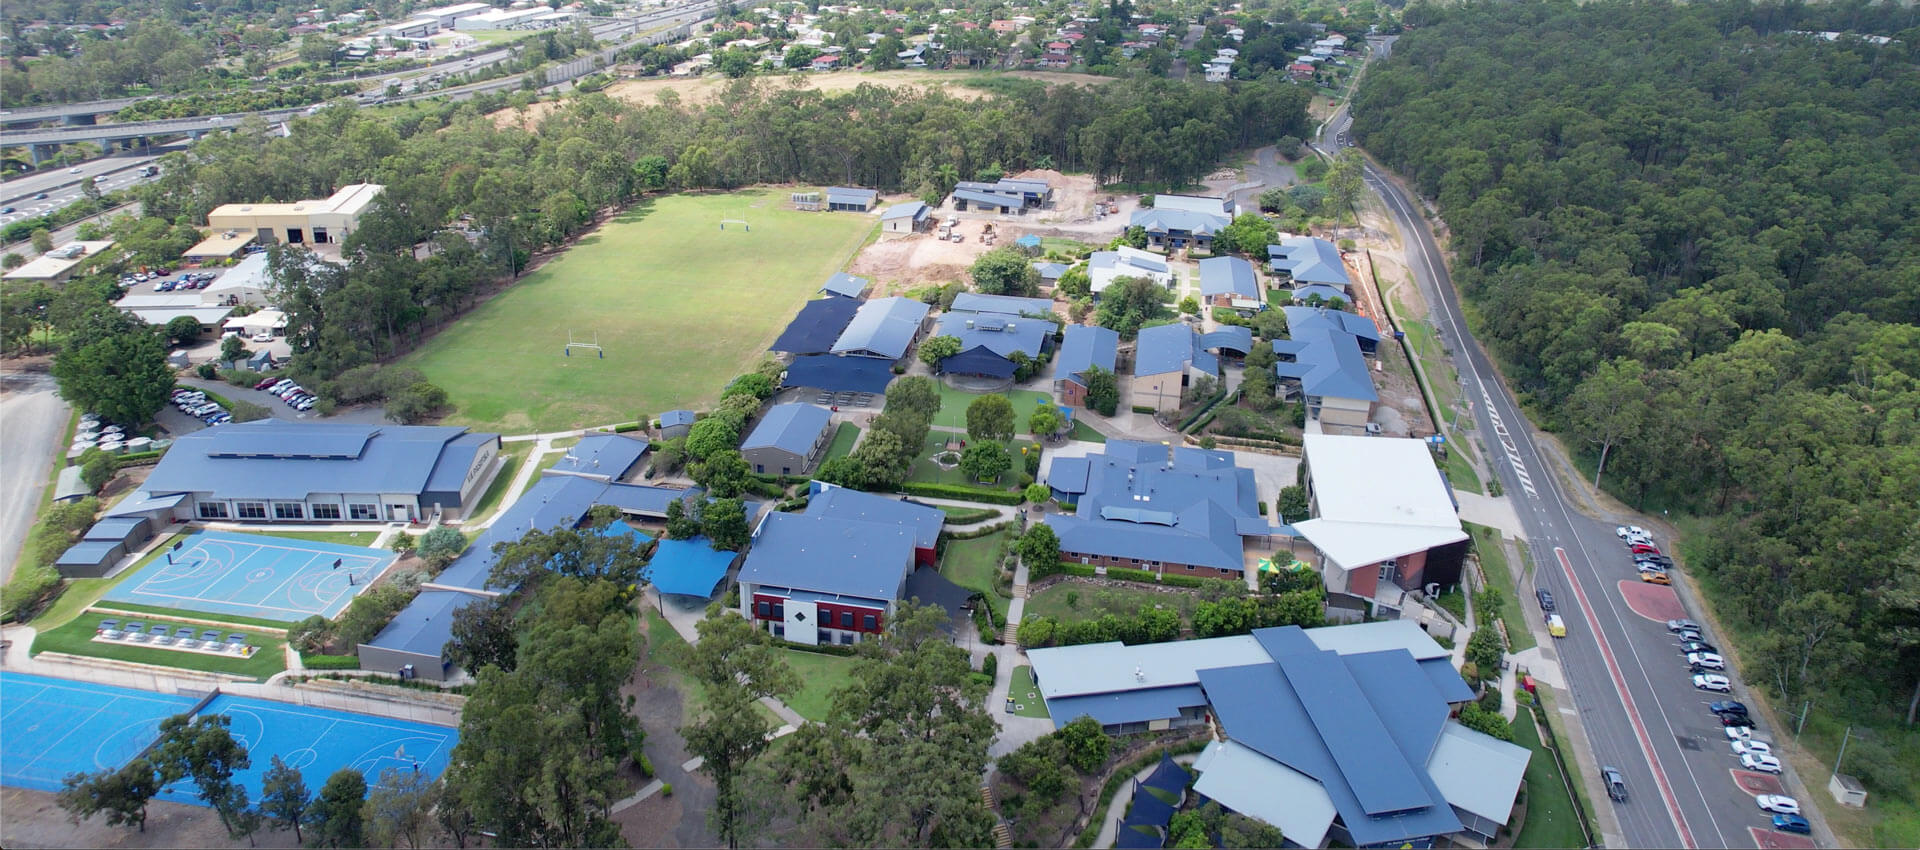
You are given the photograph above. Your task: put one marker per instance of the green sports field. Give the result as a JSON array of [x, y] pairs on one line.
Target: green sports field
[[679, 305]]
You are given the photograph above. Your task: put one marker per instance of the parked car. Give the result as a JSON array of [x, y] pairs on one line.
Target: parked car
[[1762, 763], [1712, 682], [1655, 577], [1644, 549], [1792, 823], [1707, 660], [1731, 720], [1546, 600], [1682, 626], [1616, 784], [1741, 748], [1727, 706], [306, 404], [1687, 635], [1698, 646], [265, 383], [263, 336], [1739, 733], [1662, 560]]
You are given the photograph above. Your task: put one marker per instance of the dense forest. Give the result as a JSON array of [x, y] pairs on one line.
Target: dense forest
[[516, 191], [1692, 236]]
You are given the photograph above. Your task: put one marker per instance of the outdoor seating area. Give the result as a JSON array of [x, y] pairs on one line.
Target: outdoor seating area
[[182, 638]]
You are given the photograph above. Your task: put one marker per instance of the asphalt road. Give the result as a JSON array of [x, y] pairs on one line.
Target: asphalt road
[[1630, 686], [63, 187], [32, 417]]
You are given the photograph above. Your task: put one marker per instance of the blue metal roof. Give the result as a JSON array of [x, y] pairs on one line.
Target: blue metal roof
[[830, 555], [113, 529], [979, 360], [1000, 333], [642, 499], [1113, 709], [1228, 276], [688, 567], [426, 625], [883, 327], [1308, 260], [1331, 319], [1325, 291], [987, 199], [674, 418], [87, 553], [553, 501], [843, 503], [1170, 348], [790, 427], [1446, 681], [840, 374], [820, 323], [451, 470], [850, 195], [1133, 490], [1069, 474], [1351, 728], [276, 459], [915, 210], [1083, 347], [605, 455], [1178, 221], [1051, 271], [1028, 241], [845, 284], [1013, 305], [1236, 337], [1402, 697], [1328, 363]]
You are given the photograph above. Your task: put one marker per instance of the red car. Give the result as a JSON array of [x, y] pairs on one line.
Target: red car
[[268, 382], [1645, 549]]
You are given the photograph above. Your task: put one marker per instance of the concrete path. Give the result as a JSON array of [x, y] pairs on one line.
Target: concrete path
[[1116, 810], [1493, 511], [543, 443], [1015, 731]]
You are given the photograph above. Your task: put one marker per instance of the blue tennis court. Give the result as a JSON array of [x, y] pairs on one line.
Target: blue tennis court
[[320, 741], [54, 727], [275, 578]]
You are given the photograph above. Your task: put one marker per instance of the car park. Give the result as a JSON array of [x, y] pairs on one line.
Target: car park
[[1741, 748], [1792, 823], [1616, 784], [1706, 660], [1712, 682], [1761, 763]]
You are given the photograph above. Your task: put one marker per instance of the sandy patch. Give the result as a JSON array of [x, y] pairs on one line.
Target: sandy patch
[[699, 89]]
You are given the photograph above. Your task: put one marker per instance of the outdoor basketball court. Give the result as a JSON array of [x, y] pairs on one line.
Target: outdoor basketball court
[[55, 727], [274, 578]]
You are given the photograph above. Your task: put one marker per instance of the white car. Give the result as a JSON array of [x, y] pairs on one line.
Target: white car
[[1706, 660], [1712, 682], [1625, 531], [263, 336], [74, 170], [1739, 733], [1779, 804], [1762, 763], [1741, 748]]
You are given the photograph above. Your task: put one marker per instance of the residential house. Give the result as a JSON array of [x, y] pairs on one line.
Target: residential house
[[1105, 267], [1165, 509], [991, 328], [884, 328], [1303, 260], [1082, 347], [1175, 222], [1230, 282], [1342, 735], [273, 470], [789, 439], [846, 199], [1381, 517], [1167, 359], [910, 217]]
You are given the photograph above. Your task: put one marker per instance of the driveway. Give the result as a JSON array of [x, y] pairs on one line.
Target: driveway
[[1267, 171], [35, 417]]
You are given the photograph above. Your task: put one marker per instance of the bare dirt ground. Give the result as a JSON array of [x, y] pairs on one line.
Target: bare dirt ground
[[697, 89], [33, 820]]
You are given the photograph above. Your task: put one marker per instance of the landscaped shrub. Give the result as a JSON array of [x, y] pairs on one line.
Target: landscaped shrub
[[330, 662], [956, 491], [1147, 409]]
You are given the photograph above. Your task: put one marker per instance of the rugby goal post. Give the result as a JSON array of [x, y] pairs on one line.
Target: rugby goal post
[[593, 346]]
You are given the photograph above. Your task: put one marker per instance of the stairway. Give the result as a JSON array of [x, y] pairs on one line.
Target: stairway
[[1002, 835]]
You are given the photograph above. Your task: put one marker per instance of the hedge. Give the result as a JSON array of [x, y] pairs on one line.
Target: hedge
[[982, 531], [624, 427], [957, 491], [1124, 574], [823, 649], [329, 662], [1144, 408], [137, 459], [967, 516]]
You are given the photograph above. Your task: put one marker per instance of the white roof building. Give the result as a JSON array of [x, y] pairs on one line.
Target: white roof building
[[1375, 499]]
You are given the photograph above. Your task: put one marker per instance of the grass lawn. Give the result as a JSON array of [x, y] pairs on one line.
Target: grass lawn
[[974, 563], [679, 304], [959, 515], [1493, 559], [820, 675], [114, 607], [1021, 686], [1073, 601], [1459, 472], [953, 406], [1551, 820], [76, 638], [511, 458], [1085, 433], [843, 439], [343, 538], [926, 471], [1053, 244]]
